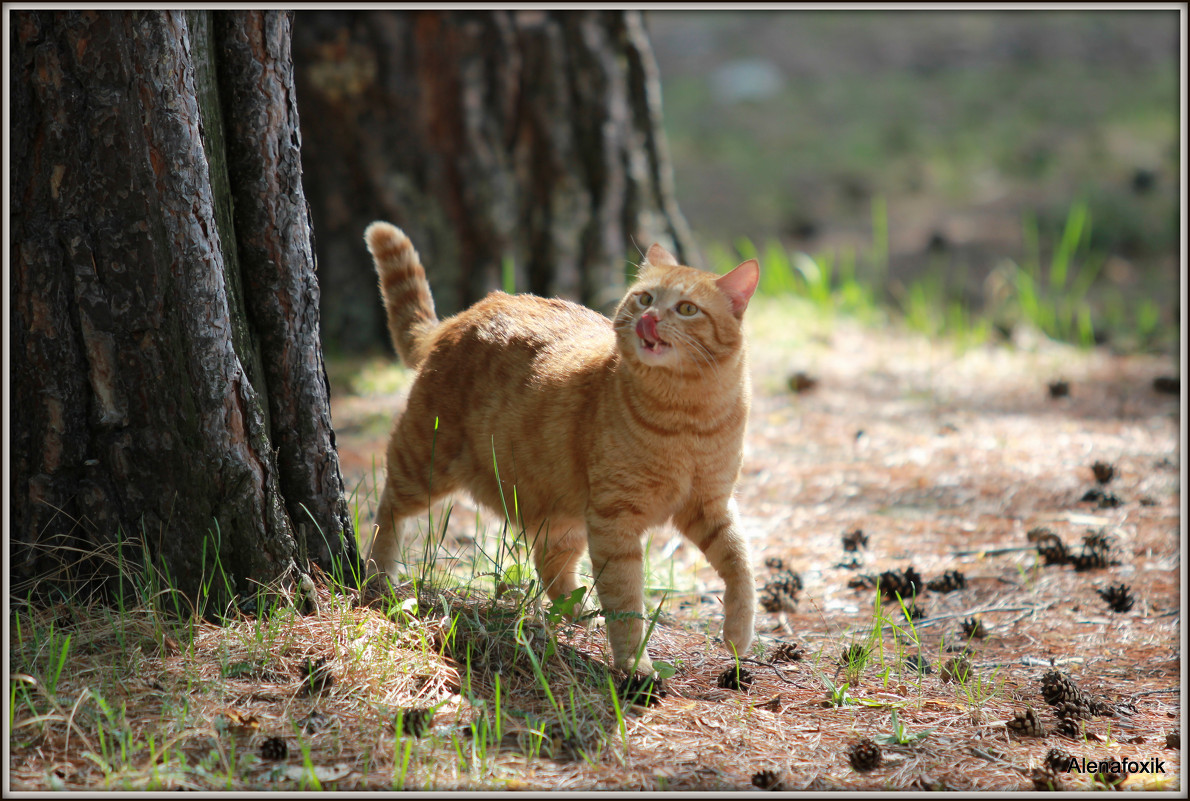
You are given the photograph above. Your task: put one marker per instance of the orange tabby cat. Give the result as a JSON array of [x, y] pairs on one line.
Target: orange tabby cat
[[602, 428]]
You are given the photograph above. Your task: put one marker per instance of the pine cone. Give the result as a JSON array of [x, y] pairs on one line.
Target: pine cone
[[864, 755], [416, 722], [800, 382], [905, 583], [974, 628], [735, 678], [1057, 687], [787, 652], [1101, 497], [1102, 708], [855, 540], [1096, 553], [775, 601], [642, 690], [1104, 472], [855, 654], [1119, 598], [1109, 780], [274, 749], [1109, 500], [949, 581], [1071, 727], [1073, 710], [1058, 760], [768, 780], [1046, 779], [956, 669], [1049, 546], [788, 581], [780, 593], [1089, 560], [1027, 722], [918, 664], [1038, 533], [1070, 701], [316, 675]]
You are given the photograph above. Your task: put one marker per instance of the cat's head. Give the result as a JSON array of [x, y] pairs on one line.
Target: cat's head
[[680, 318]]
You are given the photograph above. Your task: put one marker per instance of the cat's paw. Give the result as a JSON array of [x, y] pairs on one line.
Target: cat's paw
[[627, 661], [737, 636], [644, 667], [382, 581]]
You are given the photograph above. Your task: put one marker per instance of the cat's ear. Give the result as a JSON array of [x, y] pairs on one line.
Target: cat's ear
[[660, 257], [739, 284]]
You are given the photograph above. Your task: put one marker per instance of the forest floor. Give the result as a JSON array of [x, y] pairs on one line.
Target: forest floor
[[944, 457]]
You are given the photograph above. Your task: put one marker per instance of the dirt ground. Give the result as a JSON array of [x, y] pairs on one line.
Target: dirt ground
[[945, 458], [933, 460]]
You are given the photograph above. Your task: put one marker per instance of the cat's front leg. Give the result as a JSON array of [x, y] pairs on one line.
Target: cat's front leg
[[715, 529], [617, 559]]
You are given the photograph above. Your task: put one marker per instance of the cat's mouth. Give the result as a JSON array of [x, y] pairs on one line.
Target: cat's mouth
[[646, 332]]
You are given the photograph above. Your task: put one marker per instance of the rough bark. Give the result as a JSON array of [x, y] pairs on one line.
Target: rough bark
[[528, 138], [273, 238], [165, 370]]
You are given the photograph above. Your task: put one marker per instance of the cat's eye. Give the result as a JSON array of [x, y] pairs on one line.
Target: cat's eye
[[687, 309], [644, 299]]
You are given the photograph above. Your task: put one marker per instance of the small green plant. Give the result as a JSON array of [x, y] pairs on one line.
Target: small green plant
[[663, 669], [977, 688], [836, 695], [567, 606], [901, 735], [59, 649]]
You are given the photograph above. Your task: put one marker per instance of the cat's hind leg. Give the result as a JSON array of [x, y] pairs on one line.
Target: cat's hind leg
[[715, 529], [390, 549], [409, 490]]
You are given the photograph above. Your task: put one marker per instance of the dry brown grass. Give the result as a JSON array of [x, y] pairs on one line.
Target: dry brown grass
[[961, 454]]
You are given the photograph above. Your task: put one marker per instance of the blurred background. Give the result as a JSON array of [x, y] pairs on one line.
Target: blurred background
[[971, 173], [970, 140]]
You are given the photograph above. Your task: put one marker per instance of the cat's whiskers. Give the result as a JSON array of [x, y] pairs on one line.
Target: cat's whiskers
[[700, 350], [702, 357]]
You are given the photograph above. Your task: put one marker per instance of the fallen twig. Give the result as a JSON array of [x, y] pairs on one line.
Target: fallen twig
[[994, 551]]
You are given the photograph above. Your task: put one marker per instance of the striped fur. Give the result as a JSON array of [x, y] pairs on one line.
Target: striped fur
[[602, 429], [403, 285]]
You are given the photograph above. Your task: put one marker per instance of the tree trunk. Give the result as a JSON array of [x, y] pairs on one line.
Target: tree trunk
[[167, 381], [526, 141]]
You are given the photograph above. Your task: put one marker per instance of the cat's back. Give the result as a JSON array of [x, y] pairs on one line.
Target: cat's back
[[522, 334], [514, 379]]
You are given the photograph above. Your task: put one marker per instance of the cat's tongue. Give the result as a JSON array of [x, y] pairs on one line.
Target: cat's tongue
[[646, 329]]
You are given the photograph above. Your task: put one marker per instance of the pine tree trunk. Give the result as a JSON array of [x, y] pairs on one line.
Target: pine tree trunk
[[527, 139], [167, 381]]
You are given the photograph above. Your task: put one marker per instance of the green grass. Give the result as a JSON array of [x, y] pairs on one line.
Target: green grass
[[1053, 288]]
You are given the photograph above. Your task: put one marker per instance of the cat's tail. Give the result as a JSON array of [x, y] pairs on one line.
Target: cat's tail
[[407, 299]]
